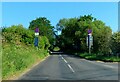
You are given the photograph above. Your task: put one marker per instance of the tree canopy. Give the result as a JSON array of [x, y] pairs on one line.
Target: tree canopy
[[74, 33], [46, 29], [115, 42]]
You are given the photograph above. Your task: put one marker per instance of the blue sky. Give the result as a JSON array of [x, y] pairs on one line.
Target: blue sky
[[14, 13]]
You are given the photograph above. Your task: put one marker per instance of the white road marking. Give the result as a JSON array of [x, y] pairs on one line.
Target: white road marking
[[70, 68], [65, 60], [68, 64], [62, 58]]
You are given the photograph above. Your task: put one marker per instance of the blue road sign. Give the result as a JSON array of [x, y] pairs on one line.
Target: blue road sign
[[36, 41]]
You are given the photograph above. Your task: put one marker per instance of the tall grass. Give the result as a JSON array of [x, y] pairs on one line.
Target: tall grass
[[16, 58]]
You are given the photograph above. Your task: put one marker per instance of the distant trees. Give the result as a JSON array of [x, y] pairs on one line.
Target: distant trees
[[74, 33]]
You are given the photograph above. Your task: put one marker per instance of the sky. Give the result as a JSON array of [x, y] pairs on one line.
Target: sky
[[14, 13], [119, 16]]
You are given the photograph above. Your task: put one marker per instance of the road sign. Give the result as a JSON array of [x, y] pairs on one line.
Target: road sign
[[89, 31], [36, 41], [36, 34], [89, 41], [90, 38], [90, 34], [36, 30]]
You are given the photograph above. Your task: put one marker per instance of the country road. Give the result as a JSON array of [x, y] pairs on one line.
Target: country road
[[69, 67]]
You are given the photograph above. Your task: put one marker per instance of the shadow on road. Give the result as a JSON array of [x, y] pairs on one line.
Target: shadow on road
[[63, 53]]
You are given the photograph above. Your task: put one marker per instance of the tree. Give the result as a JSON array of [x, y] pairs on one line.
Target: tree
[[46, 29], [102, 36], [115, 43], [74, 33]]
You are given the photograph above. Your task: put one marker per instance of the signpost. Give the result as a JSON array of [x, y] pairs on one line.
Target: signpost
[[36, 30], [89, 40], [36, 37], [89, 31], [36, 41]]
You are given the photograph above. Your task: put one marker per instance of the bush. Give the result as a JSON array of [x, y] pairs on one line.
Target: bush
[[43, 42], [17, 34], [28, 37], [115, 43]]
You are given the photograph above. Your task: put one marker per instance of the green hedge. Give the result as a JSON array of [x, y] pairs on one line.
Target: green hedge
[[43, 42], [17, 34]]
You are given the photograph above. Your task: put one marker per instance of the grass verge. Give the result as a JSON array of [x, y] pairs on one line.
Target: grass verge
[[95, 57], [99, 57], [17, 58]]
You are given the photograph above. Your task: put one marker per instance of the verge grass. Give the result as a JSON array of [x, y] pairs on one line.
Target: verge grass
[[17, 58], [99, 57]]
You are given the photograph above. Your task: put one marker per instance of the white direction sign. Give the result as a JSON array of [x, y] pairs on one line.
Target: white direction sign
[[36, 34]]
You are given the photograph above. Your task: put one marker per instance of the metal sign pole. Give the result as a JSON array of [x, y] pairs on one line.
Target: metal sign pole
[[89, 45]]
